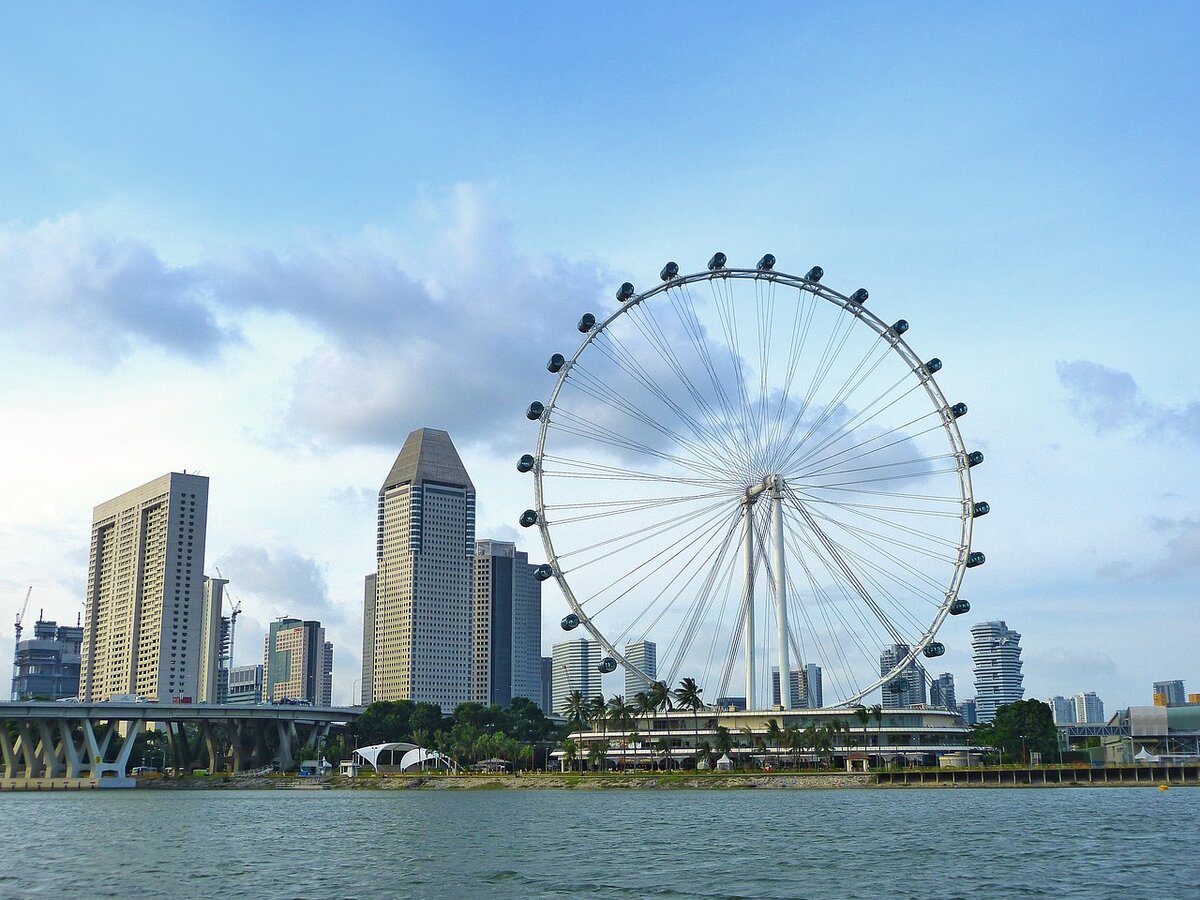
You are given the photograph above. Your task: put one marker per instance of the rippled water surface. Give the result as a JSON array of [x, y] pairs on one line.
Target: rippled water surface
[[1072, 842]]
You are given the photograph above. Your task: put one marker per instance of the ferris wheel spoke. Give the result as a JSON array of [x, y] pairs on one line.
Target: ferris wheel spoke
[[840, 469], [570, 423], [824, 510], [726, 313], [584, 470], [805, 312], [635, 538], [867, 537]]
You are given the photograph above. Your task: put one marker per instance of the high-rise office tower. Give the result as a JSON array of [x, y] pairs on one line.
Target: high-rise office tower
[[47, 666], [575, 669], [546, 698], [911, 678], [796, 684], [214, 644], [1169, 693], [1089, 709], [368, 654], [245, 684], [941, 692], [644, 655], [297, 663], [142, 613], [1062, 709], [425, 550], [507, 626], [998, 679], [814, 694], [967, 711]]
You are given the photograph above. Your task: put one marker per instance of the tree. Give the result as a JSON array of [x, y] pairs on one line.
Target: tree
[[864, 716], [877, 714], [597, 711], [1019, 729], [620, 714], [723, 740], [570, 752], [576, 716], [660, 699], [774, 735], [792, 737], [687, 695]]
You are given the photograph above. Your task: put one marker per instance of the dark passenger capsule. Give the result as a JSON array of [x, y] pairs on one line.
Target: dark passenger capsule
[[974, 458], [608, 664], [570, 622], [557, 361], [669, 271], [535, 411], [958, 410], [766, 264], [525, 463], [529, 517], [975, 559], [587, 323], [717, 262], [934, 649], [960, 606], [542, 572], [899, 686], [860, 296], [625, 291], [816, 273], [900, 327], [982, 508], [934, 365]]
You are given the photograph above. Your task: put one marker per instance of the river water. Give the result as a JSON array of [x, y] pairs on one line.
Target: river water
[[931, 843]]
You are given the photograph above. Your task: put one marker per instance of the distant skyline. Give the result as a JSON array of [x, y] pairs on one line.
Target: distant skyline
[[266, 243]]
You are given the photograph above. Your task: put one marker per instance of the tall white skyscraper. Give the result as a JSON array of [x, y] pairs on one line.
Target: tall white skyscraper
[[575, 669], [1089, 709], [145, 592], [912, 676], [214, 644], [424, 598], [1062, 709], [507, 627], [644, 655], [998, 679]]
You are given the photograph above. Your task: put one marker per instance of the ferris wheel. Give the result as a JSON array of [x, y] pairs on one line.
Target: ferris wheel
[[754, 474]]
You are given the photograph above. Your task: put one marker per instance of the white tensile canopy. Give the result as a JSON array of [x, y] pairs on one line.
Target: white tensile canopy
[[411, 756]]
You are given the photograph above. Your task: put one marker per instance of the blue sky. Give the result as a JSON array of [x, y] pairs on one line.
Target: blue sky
[[258, 207]]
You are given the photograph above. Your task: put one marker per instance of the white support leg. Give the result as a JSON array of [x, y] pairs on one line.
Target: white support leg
[[785, 669], [748, 597]]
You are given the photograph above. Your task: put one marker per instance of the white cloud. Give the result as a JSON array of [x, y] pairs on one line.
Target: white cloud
[[1109, 400]]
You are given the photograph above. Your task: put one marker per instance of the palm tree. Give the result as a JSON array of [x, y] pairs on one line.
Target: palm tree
[[660, 698], [570, 752], [687, 695], [877, 715], [663, 748], [792, 737], [619, 713], [597, 710], [810, 737], [774, 734], [723, 740], [577, 715]]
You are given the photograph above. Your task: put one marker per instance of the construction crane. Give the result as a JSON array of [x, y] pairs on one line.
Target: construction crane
[[234, 612], [16, 650]]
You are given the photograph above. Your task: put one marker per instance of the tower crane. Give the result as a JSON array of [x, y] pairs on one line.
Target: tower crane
[[234, 611], [16, 650]]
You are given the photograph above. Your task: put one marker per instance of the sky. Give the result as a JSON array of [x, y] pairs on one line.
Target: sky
[[266, 241]]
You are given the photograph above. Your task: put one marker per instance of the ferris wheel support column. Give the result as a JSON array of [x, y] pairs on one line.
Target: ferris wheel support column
[[748, 594], [785, 669]]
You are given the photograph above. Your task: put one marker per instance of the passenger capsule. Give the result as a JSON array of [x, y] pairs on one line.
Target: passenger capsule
[[975, 559], [958, 410], [982, 508], [766, 264], [525, 463], [960, 606], [535, 411], [900, 327], [608, 664], [529, 517], [934, 649], [625, 291], [557, 361], [717, 262], [934, 365], [587, 323], [816, 273], [899, 686], [974, 458], [570, 622], [669, 271], [859, 297], [542, 572]]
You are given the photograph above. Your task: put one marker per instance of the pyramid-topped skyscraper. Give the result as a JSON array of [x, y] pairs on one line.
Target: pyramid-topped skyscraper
[[417, 629]]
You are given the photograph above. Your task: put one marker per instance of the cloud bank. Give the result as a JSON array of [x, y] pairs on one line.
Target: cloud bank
[[1110, 400]]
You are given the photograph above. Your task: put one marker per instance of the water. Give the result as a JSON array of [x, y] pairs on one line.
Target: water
[[1071, 842]]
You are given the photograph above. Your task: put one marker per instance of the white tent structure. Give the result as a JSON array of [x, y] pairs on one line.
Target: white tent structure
[[400, 756]]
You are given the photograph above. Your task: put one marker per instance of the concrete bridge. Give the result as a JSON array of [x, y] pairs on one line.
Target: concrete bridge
[[63, 745]]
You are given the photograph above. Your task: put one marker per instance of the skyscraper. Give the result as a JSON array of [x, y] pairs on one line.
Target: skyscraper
[[425, 549], [966, 711], [245, 684], [297, 663], [142, 613], [997, 652], [911, 677], [575, 669], [213, 686], [1089, 709], [796, 691], [507, 626], [47, 666], [941, 692], [368, 654], [814, 693], [1169, 693], [644, 655], [546, 697], [1062, 709]]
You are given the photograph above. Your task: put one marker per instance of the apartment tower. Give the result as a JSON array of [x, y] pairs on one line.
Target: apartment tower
[[911, 678], [998, 679], [142, 617], [644, 655], [425, 548], [576, 668], [214, 644]]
